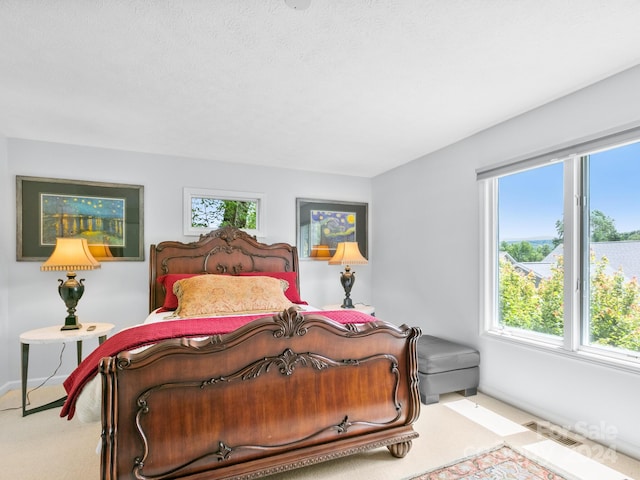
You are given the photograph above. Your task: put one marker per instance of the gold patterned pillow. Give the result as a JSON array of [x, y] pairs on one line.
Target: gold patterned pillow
[[210, 295]]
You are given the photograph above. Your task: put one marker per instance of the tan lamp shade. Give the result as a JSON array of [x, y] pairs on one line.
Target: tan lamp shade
[[348, 253], [71, 254]]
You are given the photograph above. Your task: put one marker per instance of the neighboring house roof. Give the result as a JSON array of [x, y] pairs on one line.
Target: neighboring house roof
[[540, 270], [621, 255]]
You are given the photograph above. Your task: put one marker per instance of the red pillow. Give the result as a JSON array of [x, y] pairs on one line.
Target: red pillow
[[171, 301], [291, 293], [167, 281]]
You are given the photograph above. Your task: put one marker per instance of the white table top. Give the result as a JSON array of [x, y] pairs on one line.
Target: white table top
[[361, 307], [55, 335]]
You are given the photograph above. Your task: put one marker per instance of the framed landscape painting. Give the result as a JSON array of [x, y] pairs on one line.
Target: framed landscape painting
[[206, 210], [108, 215], [322, 224]]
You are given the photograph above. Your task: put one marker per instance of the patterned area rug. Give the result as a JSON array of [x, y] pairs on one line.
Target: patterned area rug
[[502, 463]]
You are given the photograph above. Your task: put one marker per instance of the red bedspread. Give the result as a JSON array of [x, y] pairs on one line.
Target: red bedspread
[[151, 333]]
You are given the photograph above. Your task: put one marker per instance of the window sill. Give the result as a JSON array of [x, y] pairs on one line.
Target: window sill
[[631, 365]]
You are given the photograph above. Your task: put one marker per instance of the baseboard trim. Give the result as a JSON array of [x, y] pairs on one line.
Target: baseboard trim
[[32, 383], [6, 388]]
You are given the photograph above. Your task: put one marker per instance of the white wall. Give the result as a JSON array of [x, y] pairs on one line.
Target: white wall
[[427, 245], [8, 349], [118, 292]]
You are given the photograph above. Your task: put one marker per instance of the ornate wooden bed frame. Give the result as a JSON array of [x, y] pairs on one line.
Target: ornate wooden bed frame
[[277, 394]]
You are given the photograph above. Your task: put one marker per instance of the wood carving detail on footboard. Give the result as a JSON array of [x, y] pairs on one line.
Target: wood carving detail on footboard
[[285, 364], [279, 393]]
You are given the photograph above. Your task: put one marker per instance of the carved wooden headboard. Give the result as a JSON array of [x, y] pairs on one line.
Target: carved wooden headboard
[[224, 251]]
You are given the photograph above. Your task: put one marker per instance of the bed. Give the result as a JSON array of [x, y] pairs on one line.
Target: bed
[[281, 391]]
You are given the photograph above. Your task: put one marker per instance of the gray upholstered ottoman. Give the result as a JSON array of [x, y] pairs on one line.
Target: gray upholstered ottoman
[[445, 366]]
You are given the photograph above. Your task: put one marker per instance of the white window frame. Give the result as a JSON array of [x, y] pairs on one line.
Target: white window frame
[[574, 199], [489, 275], [260, 199]]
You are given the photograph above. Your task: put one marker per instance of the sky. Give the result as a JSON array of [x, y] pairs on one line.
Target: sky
[[531, 202]]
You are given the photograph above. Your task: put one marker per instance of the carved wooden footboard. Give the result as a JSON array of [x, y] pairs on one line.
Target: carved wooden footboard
[[277, 394]]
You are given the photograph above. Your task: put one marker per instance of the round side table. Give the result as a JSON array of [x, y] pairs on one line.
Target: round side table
[[55, 335]]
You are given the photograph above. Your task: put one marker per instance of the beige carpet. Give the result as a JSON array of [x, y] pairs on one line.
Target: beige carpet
[[43, 445]]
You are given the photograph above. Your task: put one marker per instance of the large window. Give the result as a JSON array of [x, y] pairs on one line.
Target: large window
[[530, 271], [562, 251], [612, 248]]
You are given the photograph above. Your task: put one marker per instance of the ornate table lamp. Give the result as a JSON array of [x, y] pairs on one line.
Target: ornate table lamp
[[347, 253], [71, 254]]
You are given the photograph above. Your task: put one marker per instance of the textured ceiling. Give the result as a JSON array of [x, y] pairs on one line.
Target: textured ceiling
[[349, 86]]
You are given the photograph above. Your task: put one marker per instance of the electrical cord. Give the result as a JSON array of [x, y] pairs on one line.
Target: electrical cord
[[28, 401]]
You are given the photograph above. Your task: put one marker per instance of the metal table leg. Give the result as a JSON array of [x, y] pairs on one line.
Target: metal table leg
[[25, 369]]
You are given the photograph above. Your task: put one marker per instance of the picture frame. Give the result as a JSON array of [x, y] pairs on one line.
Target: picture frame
[[325, 223], [209, 216], [109, 215]]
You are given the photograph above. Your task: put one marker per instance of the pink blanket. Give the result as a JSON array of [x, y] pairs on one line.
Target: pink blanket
[[149, 334]]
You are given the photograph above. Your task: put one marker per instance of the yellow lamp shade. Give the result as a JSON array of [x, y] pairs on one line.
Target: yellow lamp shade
[[71, 254], [348, 253]]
